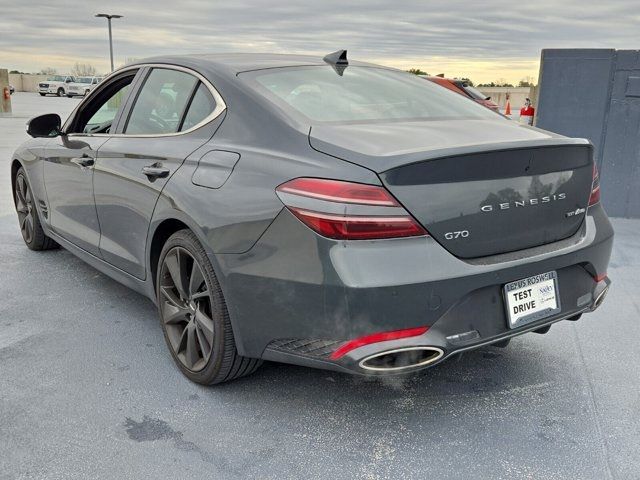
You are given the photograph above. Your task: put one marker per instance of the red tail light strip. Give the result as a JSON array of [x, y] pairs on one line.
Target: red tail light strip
[[375, 338], [339, 191], [348, 211], [349, 227]]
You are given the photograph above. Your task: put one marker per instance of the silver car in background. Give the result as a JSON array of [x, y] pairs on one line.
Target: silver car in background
[[82, 86]]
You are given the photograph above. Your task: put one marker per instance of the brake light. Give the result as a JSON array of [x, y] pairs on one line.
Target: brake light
[[339, 191], [595, 187], [375, 338], [348, 211]]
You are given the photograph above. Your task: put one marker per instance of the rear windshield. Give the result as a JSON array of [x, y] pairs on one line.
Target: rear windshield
[[474, 92], [361, 94]]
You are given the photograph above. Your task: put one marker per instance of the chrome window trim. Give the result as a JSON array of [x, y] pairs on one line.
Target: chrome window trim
[[221, 106]]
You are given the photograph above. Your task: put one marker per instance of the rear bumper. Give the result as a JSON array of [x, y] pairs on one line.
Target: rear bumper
[[296, 297]]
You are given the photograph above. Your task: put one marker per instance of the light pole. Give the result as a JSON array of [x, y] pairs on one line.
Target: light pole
[[109, 17]]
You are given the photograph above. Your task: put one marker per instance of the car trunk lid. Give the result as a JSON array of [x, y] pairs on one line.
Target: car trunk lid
[[498, 188]]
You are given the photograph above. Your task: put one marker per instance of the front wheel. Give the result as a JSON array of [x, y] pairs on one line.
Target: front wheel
[[42, 94], [60, 92], [194, 315], [30, 226]]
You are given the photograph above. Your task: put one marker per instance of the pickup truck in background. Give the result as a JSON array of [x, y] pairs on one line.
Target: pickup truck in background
[[82, 86], [56, 84]]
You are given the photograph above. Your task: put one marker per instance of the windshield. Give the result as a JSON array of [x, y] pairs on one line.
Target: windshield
[[83, 80], [56, 78], [319, 94]]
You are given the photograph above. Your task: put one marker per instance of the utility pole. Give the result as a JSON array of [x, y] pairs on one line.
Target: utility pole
[[109, 17]]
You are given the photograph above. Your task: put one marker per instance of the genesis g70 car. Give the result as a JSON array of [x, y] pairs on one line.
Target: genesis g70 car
[[316, 211]]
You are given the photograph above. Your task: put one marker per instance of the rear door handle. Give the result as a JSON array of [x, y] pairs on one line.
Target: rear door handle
[[84, 161], [155, 171]]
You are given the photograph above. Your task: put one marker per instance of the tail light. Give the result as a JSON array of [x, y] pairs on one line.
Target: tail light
[[375, 338], [348, 211], [595, 187]]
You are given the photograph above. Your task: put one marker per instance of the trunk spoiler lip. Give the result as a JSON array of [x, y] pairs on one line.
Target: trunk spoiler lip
[[394, 161]]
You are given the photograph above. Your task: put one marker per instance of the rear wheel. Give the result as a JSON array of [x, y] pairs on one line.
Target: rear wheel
[[194, 315], [30, 226], [60, 92]]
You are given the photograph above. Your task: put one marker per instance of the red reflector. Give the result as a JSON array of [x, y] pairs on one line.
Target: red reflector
[[375, 338], [339, 191], [352, 227], [601, 276], [595, 187]]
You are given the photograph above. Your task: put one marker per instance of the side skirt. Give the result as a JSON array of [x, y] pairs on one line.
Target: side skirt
[[120, 276]]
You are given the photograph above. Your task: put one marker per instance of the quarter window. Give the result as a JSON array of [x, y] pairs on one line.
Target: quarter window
[[161, 103], [202, 105]]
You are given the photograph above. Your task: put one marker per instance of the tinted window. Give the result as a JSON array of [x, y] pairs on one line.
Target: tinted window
[[161, 102], [361, 94], [202, 105]]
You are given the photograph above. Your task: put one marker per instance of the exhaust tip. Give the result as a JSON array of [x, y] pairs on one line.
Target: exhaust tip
[[600, 297], [401, 359]]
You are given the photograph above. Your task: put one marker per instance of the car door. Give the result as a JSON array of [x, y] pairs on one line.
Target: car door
[[69, 162], [170, 117]]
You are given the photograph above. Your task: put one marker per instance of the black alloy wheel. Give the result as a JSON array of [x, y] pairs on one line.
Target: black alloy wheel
[[186, 309], [25, 208], [30, 226], [194, 315]]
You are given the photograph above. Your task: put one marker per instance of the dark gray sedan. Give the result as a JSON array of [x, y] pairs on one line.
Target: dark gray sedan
[[321, 212]]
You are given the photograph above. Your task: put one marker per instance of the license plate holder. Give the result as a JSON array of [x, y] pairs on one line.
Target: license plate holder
[[531, 299]]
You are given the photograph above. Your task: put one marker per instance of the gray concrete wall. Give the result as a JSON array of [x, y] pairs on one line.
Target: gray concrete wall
[[26, 82], [595, 94]]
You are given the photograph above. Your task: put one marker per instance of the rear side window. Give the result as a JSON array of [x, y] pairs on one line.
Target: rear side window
[[161, 103], [202, 105]]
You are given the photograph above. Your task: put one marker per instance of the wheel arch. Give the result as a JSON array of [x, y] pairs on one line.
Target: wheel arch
[[15, 166], [161, 234]]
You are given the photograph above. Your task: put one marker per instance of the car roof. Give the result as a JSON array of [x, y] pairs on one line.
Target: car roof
[[241, 62]]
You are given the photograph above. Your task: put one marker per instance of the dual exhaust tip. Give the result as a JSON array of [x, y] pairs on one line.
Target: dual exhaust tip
[[401, 359]]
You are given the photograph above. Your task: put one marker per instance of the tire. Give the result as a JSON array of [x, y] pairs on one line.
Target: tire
[[29, 221], [60, 92], [69, 96], [194, 316], [42, 94]]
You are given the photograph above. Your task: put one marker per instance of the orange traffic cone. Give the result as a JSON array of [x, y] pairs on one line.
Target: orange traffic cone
[[507, 110]]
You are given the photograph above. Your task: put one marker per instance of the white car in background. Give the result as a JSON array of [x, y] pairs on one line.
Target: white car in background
[[56, 84], [82, 86]]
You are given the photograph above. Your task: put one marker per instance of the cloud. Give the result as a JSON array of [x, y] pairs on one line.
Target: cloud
[[491, 38]]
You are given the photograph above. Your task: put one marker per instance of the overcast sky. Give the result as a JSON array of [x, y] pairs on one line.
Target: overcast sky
[[485, 40]]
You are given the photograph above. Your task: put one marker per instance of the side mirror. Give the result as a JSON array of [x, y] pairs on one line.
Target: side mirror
[[68, 80], [48, 125]]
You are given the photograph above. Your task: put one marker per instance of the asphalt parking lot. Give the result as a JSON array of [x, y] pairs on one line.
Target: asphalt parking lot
[[88, 389]]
